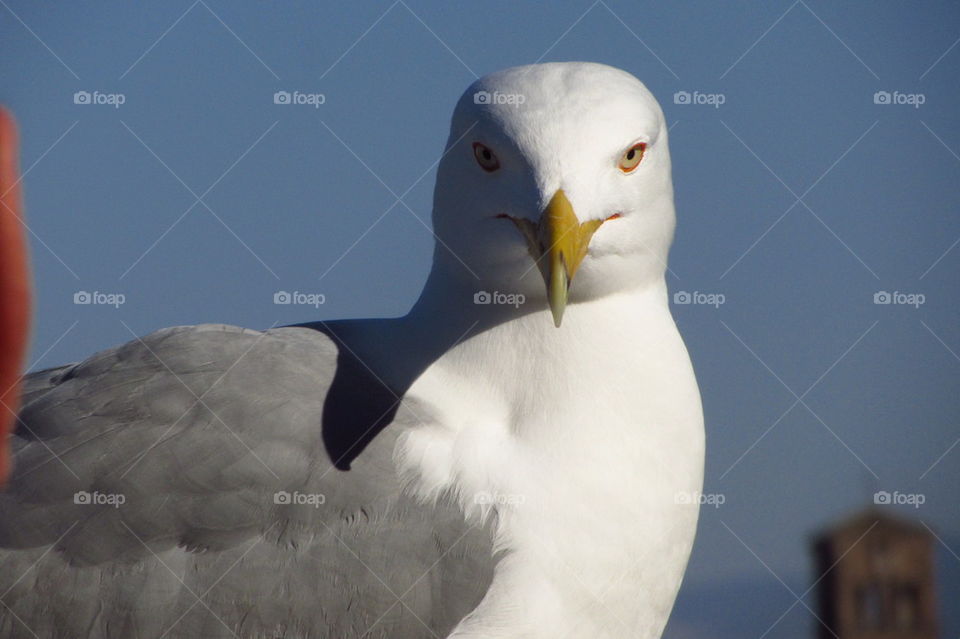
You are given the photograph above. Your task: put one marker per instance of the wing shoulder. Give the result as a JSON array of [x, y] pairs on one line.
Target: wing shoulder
[[193, 429]]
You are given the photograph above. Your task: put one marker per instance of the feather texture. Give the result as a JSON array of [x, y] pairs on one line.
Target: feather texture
[[179, 486]]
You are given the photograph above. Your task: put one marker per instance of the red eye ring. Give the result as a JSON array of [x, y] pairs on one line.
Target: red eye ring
[[486, 158]]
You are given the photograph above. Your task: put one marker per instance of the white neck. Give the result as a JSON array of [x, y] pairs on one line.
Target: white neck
[[579, 439]]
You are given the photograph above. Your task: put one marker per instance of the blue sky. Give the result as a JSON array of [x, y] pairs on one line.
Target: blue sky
[[799, 198]]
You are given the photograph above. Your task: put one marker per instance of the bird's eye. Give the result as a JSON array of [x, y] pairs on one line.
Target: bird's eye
[[485, 157], [630, 159]]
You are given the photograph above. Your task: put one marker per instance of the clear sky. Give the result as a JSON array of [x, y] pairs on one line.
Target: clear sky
[[802, 193]]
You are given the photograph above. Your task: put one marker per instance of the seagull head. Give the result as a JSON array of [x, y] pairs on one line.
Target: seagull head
[[555, 184]]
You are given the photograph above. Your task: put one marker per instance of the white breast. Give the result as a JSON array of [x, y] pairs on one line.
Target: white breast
[[582, 442]]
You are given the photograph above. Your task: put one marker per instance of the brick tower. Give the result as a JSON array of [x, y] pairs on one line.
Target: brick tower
[[879, 581]]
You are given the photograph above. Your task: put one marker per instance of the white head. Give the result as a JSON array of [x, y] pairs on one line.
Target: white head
[[554, 161]]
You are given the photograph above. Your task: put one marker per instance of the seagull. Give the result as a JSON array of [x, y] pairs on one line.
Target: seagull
[[518, 456]]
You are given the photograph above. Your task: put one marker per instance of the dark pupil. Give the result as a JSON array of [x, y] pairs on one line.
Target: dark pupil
[[486, 154], [631, 153]]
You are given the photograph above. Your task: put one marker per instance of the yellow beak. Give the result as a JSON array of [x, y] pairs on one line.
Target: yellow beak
[[558, 243]]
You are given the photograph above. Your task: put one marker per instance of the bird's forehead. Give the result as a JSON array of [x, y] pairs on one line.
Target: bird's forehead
[[564, 103]]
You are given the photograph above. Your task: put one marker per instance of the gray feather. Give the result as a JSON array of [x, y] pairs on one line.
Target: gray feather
[[202, 432]]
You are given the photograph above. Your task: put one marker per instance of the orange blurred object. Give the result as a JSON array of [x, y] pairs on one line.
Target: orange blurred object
[[15, 298]]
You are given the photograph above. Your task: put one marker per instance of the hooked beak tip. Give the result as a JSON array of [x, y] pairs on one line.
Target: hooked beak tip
[[557, 289]]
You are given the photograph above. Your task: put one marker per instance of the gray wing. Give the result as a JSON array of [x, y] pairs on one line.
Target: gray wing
[[191, 484]]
